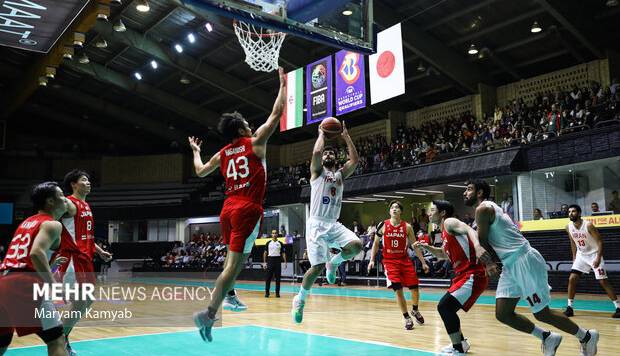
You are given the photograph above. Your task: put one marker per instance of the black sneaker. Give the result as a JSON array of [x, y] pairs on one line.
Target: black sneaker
[[418, 316], [278, 295], [266, 295], [616, 315], [569, 312], [408, 324]]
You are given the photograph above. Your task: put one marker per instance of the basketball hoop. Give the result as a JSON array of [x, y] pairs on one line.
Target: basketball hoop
[[261, 45]]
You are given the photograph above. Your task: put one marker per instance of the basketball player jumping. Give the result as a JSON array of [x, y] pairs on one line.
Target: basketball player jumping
[[399, 269], [524, 275], [470, 279], [322, 229], [587, 247], [242, 163], [77, 244], [26, 264]]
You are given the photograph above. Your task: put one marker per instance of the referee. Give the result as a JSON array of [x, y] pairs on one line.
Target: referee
[[272, 258]]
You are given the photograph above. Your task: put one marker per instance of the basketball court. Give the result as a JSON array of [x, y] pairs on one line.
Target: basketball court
[[165, 69]]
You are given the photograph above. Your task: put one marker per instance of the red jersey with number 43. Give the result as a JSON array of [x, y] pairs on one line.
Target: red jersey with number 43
[[18, 253], [244, 172], [460, 251], [78, 231], [394, 240]]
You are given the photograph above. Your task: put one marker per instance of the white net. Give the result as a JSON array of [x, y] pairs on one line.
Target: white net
[[261, 46]]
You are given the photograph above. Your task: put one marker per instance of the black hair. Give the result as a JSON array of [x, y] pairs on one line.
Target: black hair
[[576, 207], [329, 148], [229, 125], [444, 205], [41, 192], [482, 185], [400, 205], [72, 177]]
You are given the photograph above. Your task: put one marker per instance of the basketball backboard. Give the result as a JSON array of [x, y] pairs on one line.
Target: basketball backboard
[[343, 24]]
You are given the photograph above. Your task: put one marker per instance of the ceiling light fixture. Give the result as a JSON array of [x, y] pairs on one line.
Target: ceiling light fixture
[[366, 199], [78, 39], [50, 72], [103, 12], [101, 43], [154, 64], [411, 193], [142, 6], [191, 38], [472, 49], [456, 186], [535, 27], [42, 81], [427, 191], [388, 196], [67, 52], [119, 26], [83, 59], [116, 2], [178, 48], [209, 27], [137, 75], [421, 67], [347, 12], [353, 201], [185, 79]]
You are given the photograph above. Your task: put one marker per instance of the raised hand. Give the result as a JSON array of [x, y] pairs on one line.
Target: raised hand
[[194, 143], [345, 132]]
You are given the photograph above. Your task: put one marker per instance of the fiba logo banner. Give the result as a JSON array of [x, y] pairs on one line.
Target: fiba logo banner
[[350, 82], [36, 25], [318, 95]]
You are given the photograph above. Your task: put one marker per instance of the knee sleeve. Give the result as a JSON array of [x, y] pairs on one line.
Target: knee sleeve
[[51, 334], [448, 307], [396, 286]]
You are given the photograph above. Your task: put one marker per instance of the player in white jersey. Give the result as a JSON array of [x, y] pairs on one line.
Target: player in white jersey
[[523, 275], [587, 248], [322, 229]]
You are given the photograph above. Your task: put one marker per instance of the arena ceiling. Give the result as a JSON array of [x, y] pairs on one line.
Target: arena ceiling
[[100, 107]]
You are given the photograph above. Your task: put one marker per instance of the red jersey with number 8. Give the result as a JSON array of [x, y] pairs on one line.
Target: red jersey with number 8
[[78, 231], [18, 253], [394, 240], [244, 172]]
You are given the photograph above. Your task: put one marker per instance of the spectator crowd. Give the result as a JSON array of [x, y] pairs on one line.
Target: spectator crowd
[[204, 251]]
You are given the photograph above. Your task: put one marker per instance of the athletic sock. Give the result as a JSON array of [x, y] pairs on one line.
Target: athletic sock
[[406, 315], [211, 312], [462, 337], [337, 259], [570, 302], [582, 334], [231, 293], [303, 293], [616, 303], [414, 307], [539, 332]]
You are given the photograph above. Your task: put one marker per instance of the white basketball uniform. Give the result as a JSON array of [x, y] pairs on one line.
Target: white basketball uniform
[[587, 250], [322, 230], [524, 271]]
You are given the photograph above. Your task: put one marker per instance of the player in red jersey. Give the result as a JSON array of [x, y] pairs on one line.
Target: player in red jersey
[[78, 243], [399, 268], [242, 163], [470, 278], [26, 264]]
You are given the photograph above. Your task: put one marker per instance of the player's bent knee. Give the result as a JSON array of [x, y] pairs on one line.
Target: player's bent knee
[[543, 315], [5, 341]]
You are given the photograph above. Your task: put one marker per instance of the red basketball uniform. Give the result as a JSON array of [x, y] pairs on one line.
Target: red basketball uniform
[[77, 242], [398, 266], [470, 279], [246, 181], [17, 277]]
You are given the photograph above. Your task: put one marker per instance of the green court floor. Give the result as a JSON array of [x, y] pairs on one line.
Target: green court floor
[[384, 293], [237, 340]]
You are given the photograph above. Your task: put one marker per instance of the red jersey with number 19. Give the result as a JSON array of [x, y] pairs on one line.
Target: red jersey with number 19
[[18, 253], [244, 172], [395, 240]]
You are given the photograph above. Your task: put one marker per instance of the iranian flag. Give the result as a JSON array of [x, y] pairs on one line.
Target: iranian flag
[[292, 116]]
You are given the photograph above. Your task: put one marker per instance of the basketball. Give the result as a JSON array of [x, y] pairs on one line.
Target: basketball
[[331, 127]]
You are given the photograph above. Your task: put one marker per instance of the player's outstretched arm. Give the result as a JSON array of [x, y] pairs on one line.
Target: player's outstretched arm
[[267, 129], [351, 164], [200, 168], [599, 242], [316, 167], [48, 234]]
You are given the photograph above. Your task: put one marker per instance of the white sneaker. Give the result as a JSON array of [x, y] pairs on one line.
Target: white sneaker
[[233, 303], [297, 311], [590, 348], [551, 344], [464, 343], [452, 352], [330, 272]]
